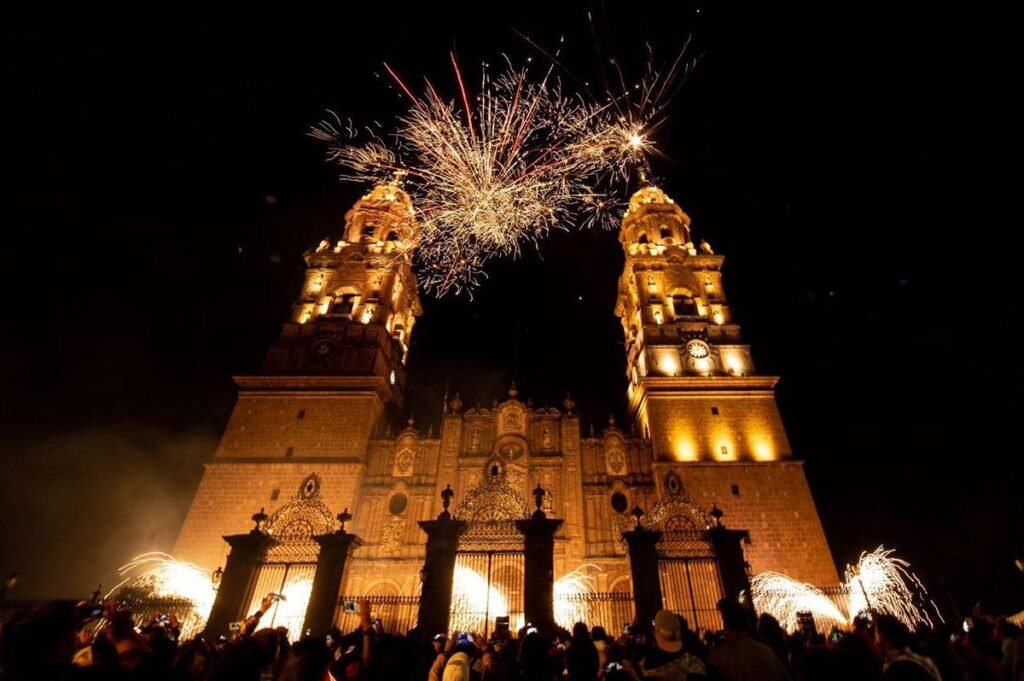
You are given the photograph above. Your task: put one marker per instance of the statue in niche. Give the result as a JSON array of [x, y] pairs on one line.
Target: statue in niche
[[546, 440], [324, 245], [474, 441]]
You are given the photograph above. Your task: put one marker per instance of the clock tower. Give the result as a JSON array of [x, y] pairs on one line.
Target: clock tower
[[330, 383], [358, 303], [694, 394]]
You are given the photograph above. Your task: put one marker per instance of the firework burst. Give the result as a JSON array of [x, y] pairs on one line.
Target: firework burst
[[492, 173]]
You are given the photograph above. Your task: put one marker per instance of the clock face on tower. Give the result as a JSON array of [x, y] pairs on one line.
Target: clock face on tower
[[697, 349]]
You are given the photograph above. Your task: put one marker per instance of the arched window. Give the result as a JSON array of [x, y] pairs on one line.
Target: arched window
[[684, 306], [344, 304]]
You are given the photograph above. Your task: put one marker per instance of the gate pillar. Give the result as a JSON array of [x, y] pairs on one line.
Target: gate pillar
[[247, 550]]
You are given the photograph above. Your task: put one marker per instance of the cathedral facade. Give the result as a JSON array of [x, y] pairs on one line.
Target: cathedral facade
[[309, 435]]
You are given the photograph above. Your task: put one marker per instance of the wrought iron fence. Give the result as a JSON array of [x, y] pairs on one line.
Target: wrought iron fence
[[396, 613], [611, 610]]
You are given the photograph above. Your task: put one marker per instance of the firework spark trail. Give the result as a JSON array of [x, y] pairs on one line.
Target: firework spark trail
[[889, 586], [783, 597], [887, 581], [570, 590], [164, 577], [489, 180]]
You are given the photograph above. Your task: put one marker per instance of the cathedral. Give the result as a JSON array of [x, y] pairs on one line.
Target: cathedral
[[308, 451]]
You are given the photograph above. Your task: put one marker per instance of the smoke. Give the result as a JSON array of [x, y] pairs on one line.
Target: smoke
[[80, 504]]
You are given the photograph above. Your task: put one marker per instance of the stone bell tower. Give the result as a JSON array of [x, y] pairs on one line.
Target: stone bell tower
[[327, 384], [694, 394], [358, 304]]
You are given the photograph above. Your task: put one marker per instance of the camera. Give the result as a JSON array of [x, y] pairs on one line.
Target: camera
[[163, 618], [235, 627], [351, 607]]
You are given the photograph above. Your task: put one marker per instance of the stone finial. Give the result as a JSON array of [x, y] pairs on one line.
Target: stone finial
[[538, 499], [260, 518], [343, 519], [446, 500], [456, 404], [513, 391], [411, 420], [611, 420], [717, 514], [569, 403], [638, 513]]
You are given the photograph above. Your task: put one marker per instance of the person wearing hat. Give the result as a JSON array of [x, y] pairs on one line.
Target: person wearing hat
[[668, 658], [460, 663]]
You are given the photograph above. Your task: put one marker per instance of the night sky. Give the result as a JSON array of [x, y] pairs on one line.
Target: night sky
[[160, 190]]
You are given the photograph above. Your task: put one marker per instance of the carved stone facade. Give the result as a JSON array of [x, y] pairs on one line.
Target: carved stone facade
[[703, 428]]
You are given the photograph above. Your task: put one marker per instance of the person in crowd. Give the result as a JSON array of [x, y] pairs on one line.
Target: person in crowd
[[581, 659], [741, 657], [668, 658], [770, 633], [460, 663], [601, 643], [498, 659], [899, 662], [534, 661], [439, 644], [310, 660]]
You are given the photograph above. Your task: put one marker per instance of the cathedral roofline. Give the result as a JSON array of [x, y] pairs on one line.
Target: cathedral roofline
[[315, 384]]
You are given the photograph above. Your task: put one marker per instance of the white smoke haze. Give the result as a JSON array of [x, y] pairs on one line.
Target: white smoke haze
[[100, 495]]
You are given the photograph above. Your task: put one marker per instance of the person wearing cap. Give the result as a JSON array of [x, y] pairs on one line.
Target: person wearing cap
[[460, 664], [668, 658]]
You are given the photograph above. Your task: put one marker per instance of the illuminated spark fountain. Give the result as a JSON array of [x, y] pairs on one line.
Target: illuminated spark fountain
[[473, 598], [879, 583], [290, 609], [571, 591], [158, 575], [783, 597], [884, 584]]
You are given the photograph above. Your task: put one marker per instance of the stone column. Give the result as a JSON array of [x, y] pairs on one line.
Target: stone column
[[539, 563], [732, 568], [643, 567], [437, 574], [247, 553], [335, 549]]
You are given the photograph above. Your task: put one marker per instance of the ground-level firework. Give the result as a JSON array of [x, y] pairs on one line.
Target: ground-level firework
[[879, 583], [702, 454]]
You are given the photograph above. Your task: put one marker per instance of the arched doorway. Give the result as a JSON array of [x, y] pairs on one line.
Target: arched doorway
[[489, 564], [687, 567]]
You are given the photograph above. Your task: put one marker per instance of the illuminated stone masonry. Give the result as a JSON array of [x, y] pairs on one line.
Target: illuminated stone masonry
[[703, 430]]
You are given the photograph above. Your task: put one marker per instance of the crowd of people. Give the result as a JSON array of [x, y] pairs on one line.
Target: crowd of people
[[65, 642]]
